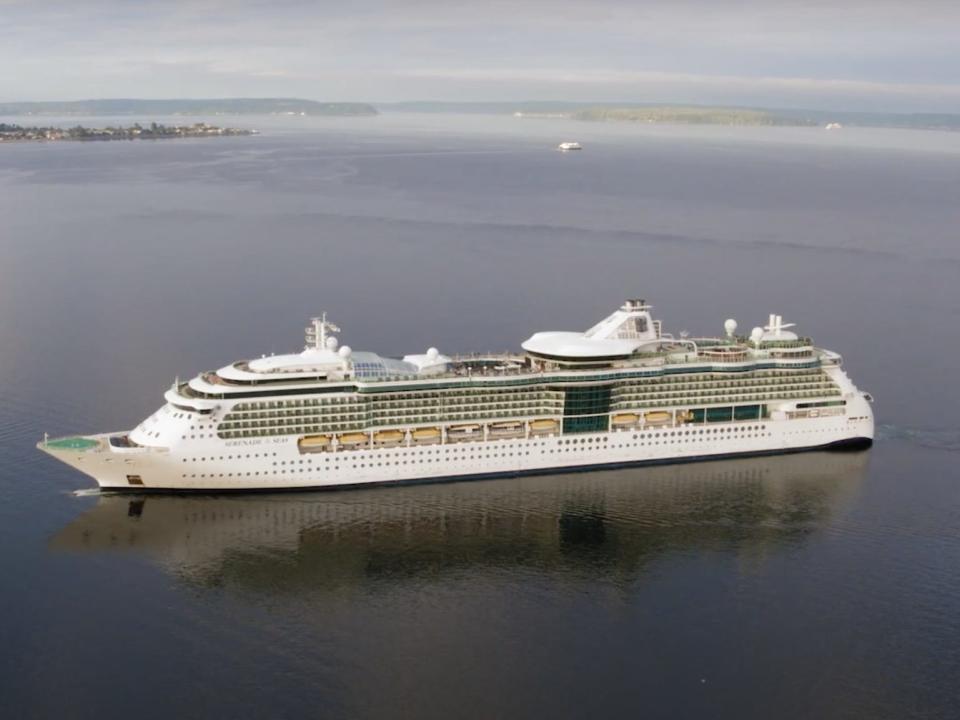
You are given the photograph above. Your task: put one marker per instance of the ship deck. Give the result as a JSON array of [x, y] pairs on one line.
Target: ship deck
[[72, 443]]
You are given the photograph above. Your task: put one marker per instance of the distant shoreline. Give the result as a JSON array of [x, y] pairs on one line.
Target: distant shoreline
[[690, 116], [18, 133], [657, 113], [221, 106], [626, 112]]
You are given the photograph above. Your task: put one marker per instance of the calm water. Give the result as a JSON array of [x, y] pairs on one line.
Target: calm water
[[819, 585]]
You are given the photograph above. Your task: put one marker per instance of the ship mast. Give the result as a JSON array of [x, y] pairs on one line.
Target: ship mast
[[776, 325], [316, 332]]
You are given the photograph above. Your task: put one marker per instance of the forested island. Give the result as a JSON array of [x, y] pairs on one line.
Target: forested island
[[154, 131], [216, 106], [690, 116]]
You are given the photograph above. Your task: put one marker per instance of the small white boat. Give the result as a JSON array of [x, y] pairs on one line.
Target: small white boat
[[568, 146]]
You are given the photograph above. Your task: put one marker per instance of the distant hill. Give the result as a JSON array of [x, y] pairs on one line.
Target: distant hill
[[689, 115], [912, 121], [483, 108], [653, 112], [623, 112], [225, 106]]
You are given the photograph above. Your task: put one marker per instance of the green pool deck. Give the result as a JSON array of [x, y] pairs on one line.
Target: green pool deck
[[72, 443]]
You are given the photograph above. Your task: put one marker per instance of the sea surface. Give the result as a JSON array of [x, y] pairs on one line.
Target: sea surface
[[822, 585]]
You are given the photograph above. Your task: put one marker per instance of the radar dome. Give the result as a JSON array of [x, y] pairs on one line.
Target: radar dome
[[433, 353], [756, 334], [730, 326], [331, 343], [345, 352]]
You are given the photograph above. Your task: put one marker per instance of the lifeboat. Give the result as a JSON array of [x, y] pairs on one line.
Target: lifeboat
[[543, 426], [685, 416], [657, 417], [464, 432], [356, 438], [506, 428], [426, 434], [388, 436], [626, 419], [313, 443], [463, 429]]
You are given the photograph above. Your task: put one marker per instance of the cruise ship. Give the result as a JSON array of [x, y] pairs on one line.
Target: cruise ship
[[622, 393]]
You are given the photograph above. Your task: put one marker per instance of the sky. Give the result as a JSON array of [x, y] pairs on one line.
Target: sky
[[874, 55]]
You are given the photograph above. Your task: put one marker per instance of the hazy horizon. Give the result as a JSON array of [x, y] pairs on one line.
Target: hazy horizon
[[880, 56], [520, 103]]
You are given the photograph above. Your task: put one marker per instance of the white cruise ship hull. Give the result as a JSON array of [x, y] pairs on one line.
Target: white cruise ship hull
[[276, 463], [621, 393]]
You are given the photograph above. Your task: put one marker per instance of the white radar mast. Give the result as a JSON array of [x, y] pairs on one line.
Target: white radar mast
[[776, 325], [316, 333]]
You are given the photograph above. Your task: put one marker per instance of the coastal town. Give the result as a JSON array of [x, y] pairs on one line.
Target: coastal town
[[153, 131]]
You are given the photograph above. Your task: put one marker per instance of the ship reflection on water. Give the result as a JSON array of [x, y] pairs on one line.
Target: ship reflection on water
[[612, 524]]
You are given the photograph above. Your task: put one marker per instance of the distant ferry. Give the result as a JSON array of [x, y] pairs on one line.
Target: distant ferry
[[621, 393], [567, 146]]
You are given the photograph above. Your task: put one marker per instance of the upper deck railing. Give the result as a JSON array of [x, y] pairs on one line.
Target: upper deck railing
[[490, 366], [798, 343]]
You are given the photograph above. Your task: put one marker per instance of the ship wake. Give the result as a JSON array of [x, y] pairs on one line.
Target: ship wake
[[932, 438]]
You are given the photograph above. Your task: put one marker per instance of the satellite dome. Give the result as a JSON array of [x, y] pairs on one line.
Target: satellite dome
[[331, 343], [730, 326], [345, 352], [433, 353], [756, 334]]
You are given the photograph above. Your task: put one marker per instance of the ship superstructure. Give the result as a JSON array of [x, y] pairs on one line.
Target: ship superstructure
[[621, 393]]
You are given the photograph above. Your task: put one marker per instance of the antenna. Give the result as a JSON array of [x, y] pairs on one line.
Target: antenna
[[316, 333], [776, 325]]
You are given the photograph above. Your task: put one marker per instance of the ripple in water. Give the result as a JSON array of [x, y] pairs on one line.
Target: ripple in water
[[933, 438]]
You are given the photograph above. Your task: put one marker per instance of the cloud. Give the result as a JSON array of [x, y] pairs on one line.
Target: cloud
[[882, 51]]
